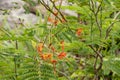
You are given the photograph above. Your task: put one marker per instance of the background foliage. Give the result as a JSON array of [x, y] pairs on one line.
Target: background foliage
[[92, 55]]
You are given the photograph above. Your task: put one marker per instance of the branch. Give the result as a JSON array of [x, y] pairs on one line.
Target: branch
[[111, 25], [63, 74], [98, 9], [15, 63], [58, 10], [48, 8], [92, 8], [95, 63], [98, 55]]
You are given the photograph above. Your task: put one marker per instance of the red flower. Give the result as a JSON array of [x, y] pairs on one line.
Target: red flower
[[61, 55], [79, 31], [53, 61]]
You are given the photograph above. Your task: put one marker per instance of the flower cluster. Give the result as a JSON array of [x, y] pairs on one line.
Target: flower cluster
[[56, 19], [79, 31], [49, 56]]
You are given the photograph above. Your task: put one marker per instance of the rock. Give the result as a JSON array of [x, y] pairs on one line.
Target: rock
[[15, 12]]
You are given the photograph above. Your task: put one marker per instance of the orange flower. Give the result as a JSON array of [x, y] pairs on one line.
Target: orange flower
[[40, 47], [51, 47], [55, 22], [63, 21], [62, 44], [50, 20], [46, 56], [53, 61], [79, 31], [49, 56], [61, 55], [55, 13]]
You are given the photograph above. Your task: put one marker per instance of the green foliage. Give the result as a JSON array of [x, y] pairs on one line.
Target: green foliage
[[20, 60], [111, 64]]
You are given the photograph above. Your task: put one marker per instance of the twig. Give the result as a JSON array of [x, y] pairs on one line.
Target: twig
[[63, 74], [96, 58], [111, 25], [48, 8], [92, 8], [58, 10], [99, 55], [98, 9], [15, 63]]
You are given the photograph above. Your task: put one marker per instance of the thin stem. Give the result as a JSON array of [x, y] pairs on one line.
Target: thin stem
[[100, 57], [63, 74], [91, 28], [15, 69], [96, 59], [58, 10], [111, 25], [92, 8], [99, 7], [48, 8]]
